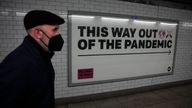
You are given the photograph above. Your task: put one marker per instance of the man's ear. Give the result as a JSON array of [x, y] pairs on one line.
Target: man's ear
[[38, 33]]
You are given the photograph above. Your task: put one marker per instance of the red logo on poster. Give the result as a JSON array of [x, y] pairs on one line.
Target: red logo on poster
[[85, 73]]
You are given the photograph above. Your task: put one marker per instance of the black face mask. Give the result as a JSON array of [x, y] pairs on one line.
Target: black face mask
[[55, 43]]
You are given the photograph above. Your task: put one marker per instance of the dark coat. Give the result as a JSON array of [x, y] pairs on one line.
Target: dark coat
[[27, 77]]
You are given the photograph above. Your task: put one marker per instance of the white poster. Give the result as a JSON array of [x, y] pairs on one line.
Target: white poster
[[112, 47]]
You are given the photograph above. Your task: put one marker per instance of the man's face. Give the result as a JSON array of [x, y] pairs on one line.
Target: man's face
[[51, 30], [51, 37]]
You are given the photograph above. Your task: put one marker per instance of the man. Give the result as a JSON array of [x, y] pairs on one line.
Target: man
[[27, 74]]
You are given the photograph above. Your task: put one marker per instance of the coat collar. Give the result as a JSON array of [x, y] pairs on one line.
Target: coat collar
[[47, 54]]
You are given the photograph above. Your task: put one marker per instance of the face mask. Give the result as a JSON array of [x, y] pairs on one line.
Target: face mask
[[55, 43]]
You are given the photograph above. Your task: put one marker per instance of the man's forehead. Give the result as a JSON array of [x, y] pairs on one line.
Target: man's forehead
[[51, 26]]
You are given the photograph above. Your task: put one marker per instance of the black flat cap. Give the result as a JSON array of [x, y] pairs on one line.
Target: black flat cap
[[40, 17]]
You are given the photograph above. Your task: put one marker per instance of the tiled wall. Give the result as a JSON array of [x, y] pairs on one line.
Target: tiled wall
[[12, 33]]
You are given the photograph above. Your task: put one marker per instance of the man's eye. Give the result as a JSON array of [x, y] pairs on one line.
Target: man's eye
[[55, 29]]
